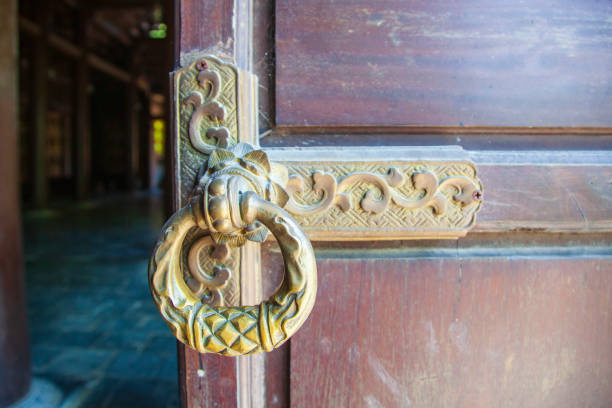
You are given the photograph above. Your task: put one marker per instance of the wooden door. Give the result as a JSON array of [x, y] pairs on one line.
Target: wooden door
[[515, 314]]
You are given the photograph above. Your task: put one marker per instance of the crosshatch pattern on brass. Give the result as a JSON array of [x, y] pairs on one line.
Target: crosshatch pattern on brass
[[394, 217], [186, 81]]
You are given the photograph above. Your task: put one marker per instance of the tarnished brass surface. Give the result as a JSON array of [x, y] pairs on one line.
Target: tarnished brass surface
[[235, 200], [230, 192], [347, 193], [214, 106], [358, 193]]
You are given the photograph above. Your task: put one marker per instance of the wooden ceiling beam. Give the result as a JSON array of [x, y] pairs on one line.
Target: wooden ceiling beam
[[74, 51], [113, 30], [118, 4]]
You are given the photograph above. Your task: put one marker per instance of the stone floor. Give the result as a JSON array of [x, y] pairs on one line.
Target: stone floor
[[95, 331]]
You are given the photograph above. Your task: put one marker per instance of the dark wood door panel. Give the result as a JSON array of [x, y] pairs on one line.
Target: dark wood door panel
[[206, 379], [556, 198], [517, 314], [433, 63], [472, 332]]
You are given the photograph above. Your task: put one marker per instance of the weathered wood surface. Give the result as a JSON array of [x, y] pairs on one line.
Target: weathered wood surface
[[278, 367], [490, 138], [206, 380], [14, 343], [205, 26], [481, 63], [511, 326], [220, 28], [556, 198], [40, 91], [457, 332], [278, 361], [223, 28]]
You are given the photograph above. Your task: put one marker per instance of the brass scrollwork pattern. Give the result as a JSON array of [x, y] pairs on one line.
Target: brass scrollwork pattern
[[206, 105], [334, 192], [203, 283], [236, 199]]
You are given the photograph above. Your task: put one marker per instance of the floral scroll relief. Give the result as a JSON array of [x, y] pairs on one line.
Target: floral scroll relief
[[207, 106], [378, 199], [204, 256]]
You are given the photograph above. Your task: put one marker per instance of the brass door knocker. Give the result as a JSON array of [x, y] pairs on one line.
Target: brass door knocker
[[236, 200], [232, 193]]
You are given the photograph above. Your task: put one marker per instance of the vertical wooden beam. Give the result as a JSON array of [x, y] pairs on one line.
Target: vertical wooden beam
[[132, 110], [204, 27], [223, 28], [201, 26], [146, 146], [82, 118], [132, 106], [14, 344], [40, 86], [171, 13]]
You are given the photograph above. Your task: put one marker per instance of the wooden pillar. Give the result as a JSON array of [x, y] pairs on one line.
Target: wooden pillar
[[132, 109], [240, 381], [146, 147], [82, 117], [172, 55], [39, 100], [14, 344]]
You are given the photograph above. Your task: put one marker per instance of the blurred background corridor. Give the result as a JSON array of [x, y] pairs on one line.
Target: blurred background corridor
[[95, 333], [387, 125], [92, 86]]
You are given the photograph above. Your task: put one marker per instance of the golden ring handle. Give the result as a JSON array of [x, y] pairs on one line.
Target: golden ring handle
[[239, 330]]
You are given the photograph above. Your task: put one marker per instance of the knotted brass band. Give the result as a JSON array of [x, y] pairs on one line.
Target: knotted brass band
[[227, 205]]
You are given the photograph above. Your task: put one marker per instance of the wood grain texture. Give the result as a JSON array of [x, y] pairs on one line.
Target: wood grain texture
[[205, 27], [206, 380], [14, 342], [278, 360], [486, 139], [457, 332], [553, 198], [263, 60], [277, 376], [424, 63]]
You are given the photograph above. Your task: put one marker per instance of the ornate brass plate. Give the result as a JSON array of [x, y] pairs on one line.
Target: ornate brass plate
[[231, 192], [362, 193]]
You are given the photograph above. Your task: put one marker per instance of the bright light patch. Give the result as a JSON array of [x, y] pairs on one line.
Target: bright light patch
[[159, 31], [159, 130]]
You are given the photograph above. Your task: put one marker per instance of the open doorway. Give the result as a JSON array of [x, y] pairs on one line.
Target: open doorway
[[93, 123]]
